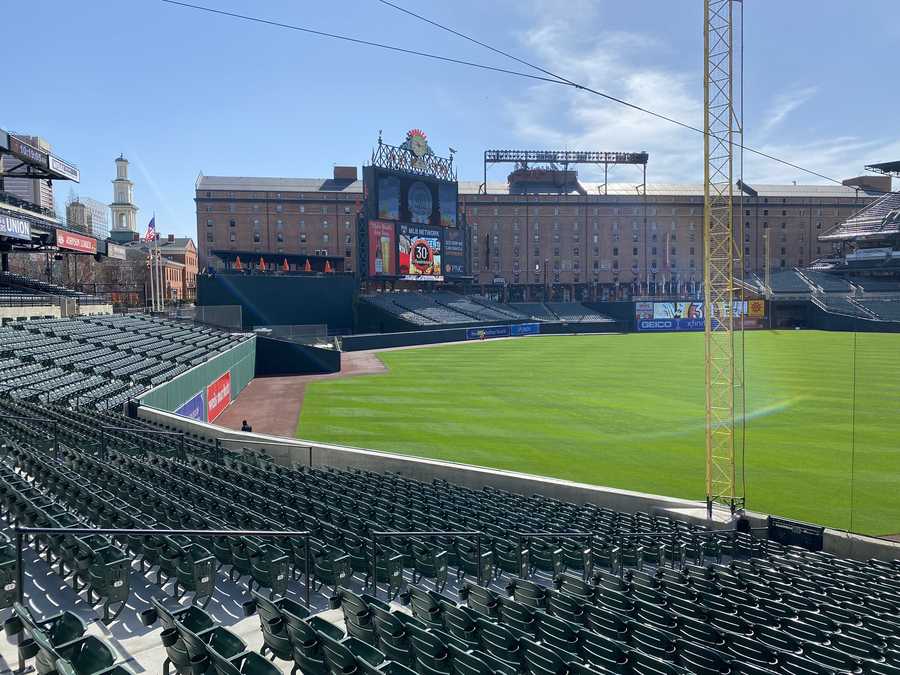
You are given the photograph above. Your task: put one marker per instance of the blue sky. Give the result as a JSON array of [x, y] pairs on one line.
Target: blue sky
[[181, 92]]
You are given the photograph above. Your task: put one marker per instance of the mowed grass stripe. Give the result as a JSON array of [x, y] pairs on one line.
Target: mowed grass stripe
[[628, 411]]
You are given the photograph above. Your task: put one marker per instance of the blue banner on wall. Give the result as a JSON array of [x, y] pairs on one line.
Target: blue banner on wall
[[195, 408], [668, 325], [487, 332], [515, 330], [525, 329]]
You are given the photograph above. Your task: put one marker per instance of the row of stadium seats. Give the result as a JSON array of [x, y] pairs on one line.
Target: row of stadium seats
[[18, 282], [128, 353], [631, 600], [445, 308]]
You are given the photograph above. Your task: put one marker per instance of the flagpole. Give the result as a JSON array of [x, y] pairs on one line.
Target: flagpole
[[160, 288], [152, 273]]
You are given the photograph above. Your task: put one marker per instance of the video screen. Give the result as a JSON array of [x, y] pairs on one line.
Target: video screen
[[412, 199], [382, 249], [419, 252], [454, 253]]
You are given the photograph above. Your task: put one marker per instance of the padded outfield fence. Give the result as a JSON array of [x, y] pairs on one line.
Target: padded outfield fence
[[239, 363]]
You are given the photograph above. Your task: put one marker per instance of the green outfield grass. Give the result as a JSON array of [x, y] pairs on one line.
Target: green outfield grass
[[627, 411]]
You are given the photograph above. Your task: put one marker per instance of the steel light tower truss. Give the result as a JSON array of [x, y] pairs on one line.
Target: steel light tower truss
[[720, 256]]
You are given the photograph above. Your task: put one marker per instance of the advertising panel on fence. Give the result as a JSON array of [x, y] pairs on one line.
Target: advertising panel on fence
[[15, 228], [381, 249], [195, 408], [454, 252], [75, 242], [419, 252], [681, 316], [218, 396], [525, 329], [487, 332], [643, 310]]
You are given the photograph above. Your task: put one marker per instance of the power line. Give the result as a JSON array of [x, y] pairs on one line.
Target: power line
[[563, 80], [551, 77], [359, 41]]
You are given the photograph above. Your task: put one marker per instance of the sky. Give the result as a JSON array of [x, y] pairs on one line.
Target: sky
[[181, 92]]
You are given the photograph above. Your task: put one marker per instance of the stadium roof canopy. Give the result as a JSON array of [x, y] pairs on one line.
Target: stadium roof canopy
[[266, 184], [879, 219], [885, 167]]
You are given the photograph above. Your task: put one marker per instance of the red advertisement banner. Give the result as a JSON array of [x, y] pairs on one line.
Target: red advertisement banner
[[75, 242], [218, 396]]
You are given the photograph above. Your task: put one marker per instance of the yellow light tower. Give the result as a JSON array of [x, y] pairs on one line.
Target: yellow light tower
[[722, 252]]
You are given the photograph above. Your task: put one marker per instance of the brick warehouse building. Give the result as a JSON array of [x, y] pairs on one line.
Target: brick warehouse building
[[578, 245]]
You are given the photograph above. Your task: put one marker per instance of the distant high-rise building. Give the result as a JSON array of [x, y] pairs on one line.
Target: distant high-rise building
[[124, 212], [99, 214], [32, 190]]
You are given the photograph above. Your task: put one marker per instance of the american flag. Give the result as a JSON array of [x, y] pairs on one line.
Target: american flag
[[151, 230]]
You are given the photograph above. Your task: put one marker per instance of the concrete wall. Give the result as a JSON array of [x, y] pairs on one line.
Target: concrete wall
[[29, 312], [297, 452], [90, 310]]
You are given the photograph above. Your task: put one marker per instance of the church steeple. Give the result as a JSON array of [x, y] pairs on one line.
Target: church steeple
[[124, 212]]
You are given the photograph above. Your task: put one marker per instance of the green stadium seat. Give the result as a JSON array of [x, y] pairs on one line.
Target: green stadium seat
[[87, 655]]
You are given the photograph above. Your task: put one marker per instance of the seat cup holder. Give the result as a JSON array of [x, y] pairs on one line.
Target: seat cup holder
[[28, 649], [169, 637]]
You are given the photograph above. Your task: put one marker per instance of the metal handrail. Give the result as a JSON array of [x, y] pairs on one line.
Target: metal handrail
[[53, 423], [104, 428]]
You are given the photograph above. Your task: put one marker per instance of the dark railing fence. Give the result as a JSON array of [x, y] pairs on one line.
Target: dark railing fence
[[182, 454], [54, 425]]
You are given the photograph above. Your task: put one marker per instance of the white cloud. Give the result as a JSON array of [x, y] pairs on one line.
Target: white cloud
[[553, 116], [784, 105]]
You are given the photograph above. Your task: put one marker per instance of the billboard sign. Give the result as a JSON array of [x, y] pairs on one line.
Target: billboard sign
[[64, 168], [419, 252], [115, 251], [525, 329], [382, 248], [218, 396], [194, 408], [447, 198], [15, 228], [389, 197], [486, 332], [454, 253], [28, 152], [688, 316], [75, 242]]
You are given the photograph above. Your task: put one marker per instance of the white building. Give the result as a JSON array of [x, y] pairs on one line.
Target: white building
[[124, 212]]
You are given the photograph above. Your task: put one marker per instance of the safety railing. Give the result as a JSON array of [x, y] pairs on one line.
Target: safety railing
[[54, 425], [104, 436]]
